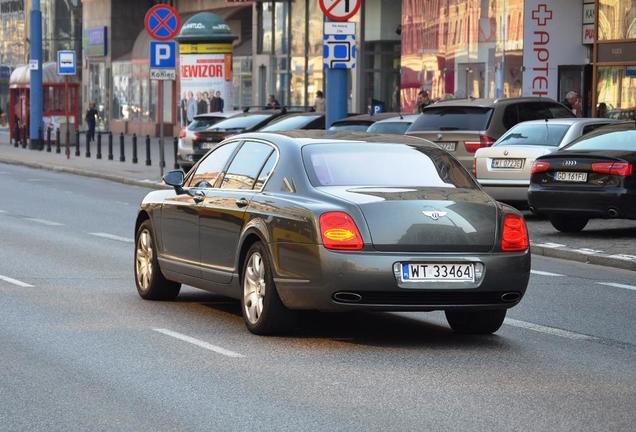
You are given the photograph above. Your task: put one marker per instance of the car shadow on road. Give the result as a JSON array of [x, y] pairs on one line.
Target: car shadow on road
[[378, 329]]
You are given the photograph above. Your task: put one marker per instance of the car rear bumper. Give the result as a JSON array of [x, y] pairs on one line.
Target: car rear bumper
[[604, 203], [311, 277]]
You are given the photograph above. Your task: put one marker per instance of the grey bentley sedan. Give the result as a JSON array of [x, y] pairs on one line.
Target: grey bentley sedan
[[343, 221]]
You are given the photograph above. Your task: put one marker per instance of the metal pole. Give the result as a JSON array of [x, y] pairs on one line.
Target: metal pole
[[134, 156], [110, 146], [336, 95], [77, 142], [57, 141], [24, 137], [99, 145], [175, 144], [148, 161], [16, 142], [162, 156], [88, 144], [68, 142], [35, 95], [122, 156], [48, 140]]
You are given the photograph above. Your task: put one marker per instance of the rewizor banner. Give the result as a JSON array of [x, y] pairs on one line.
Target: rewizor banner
[[206, 83]]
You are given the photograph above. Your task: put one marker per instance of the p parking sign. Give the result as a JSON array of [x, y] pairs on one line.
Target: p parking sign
[[163, 60]]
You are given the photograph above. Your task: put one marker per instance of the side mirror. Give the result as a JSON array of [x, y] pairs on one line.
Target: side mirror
[[175, 179]]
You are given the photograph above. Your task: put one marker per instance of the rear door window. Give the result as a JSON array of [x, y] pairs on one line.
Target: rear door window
[[511, 116], [558, 110], [622, 140], [383, 165], [450, 118], [534, 134], [533, 111], [246, 165]]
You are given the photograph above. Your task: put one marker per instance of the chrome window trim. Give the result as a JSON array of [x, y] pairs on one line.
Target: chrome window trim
[[260, 141], [190, 173]]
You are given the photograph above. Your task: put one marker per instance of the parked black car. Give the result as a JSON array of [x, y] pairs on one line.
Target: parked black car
[[334, 222], [245, 122], [360, 122], [593, 177]]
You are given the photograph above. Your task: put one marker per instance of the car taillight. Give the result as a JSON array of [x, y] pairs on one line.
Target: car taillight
[[622, 169], [182, 134], [339, 231], [514, 235], [484, 141], [540, 166]]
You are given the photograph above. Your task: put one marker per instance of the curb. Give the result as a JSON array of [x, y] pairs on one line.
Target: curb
[[571, 255], [85, 173]]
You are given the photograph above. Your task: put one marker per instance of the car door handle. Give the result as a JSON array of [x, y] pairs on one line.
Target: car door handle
[[242, 202]]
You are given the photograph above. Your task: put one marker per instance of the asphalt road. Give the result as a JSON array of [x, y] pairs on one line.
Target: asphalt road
[[79, 350]]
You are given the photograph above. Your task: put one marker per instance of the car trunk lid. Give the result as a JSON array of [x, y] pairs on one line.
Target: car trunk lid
[[425, 219], [508, 162]]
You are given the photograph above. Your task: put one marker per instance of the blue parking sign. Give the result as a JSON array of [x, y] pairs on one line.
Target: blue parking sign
[[163, 55]]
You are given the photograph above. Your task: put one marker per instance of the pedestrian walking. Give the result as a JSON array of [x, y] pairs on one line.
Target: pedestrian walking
[[272, 102], [423, 100], [573, 102], [319, 103], [91, 121]]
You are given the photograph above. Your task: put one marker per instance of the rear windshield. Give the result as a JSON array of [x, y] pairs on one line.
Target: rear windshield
[[449, 118], [549, 135], [204, 123], [624, 140], [352, 126], [398, 128], [388, 165], [240, 123], [290, 123]]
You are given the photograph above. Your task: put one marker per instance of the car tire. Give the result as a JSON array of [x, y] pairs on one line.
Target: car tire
[[151, 283], [263, 311], [475, 321], [568, 224]]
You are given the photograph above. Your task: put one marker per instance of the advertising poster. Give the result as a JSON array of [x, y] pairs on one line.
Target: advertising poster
[[206, 84]]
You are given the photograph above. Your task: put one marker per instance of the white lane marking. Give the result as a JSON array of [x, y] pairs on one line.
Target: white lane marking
[[112, 237], [44, 222], [588, 251], [624, 257], [545, 273], [548, 330], [199, 343], [618, 285], [15, 282], [35, 180]]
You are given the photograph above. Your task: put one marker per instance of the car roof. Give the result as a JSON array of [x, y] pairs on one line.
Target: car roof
[[406, 118], [574, 120], [221, 114], [304, 137], [367, 117], [487, 102]]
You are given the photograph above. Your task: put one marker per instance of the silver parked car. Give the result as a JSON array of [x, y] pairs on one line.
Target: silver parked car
[[186, 152], [504, 169], [393, 125]]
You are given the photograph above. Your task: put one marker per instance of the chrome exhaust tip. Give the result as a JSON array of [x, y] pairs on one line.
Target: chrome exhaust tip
[[510, 297], [613, 213], [347, 297]]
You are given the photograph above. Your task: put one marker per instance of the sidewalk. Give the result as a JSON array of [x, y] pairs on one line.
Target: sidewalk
[[124, 172], [603, 242]]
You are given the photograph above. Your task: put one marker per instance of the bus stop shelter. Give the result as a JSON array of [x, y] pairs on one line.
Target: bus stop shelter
[[61, 100]]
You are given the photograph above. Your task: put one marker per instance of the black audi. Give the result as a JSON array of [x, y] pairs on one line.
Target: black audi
[[296, 221], [593, 177]]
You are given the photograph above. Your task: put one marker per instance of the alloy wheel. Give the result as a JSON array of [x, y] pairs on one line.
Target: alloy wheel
[[143, 260], [254, 287]]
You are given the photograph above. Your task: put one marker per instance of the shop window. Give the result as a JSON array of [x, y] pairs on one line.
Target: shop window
[[617, 19], [616, 92]]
